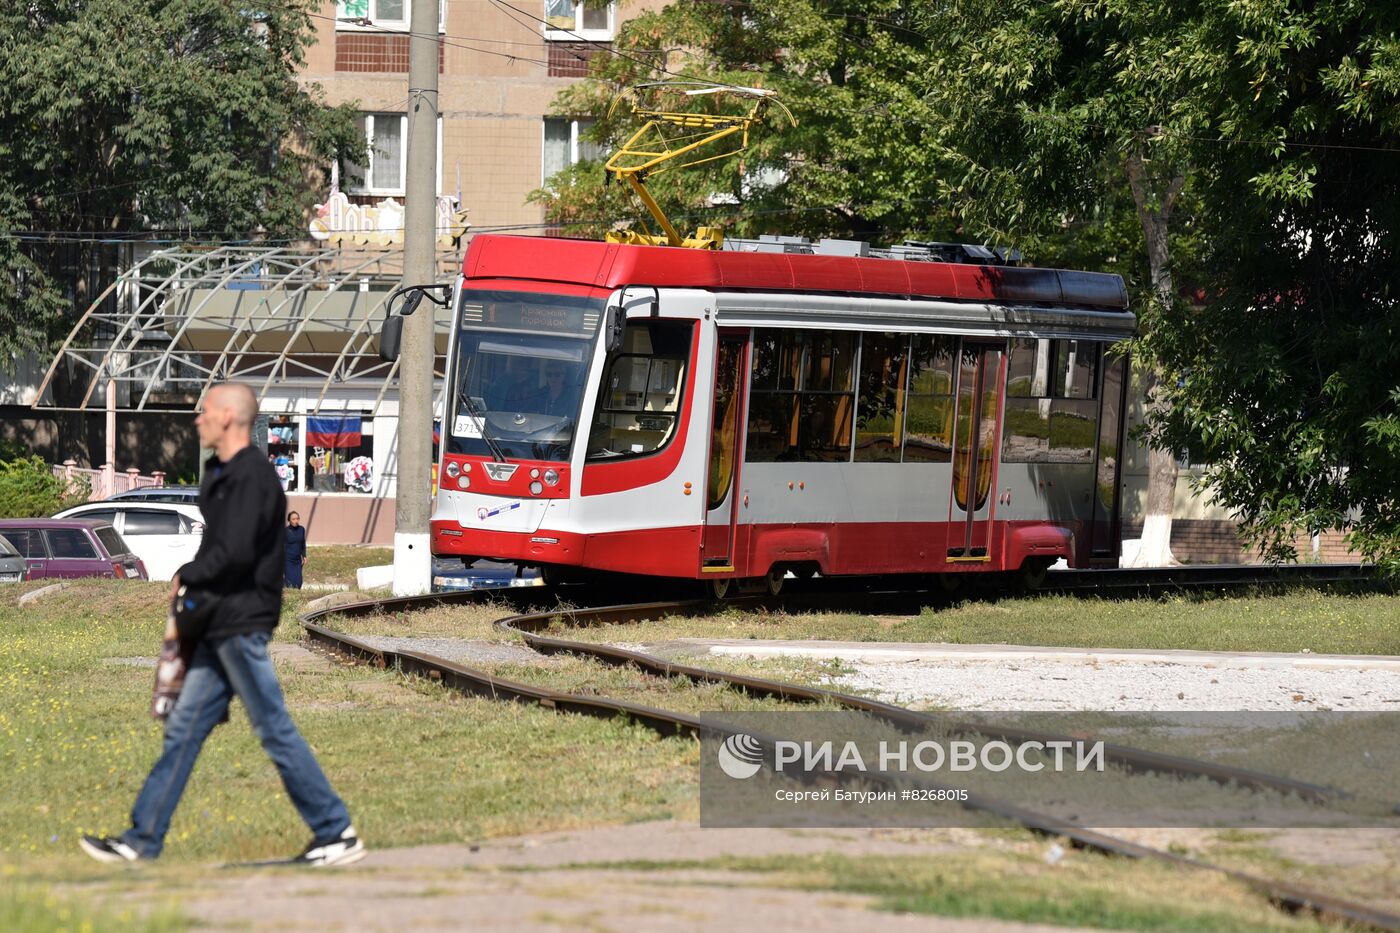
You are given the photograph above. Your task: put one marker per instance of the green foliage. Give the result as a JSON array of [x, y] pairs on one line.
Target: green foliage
[[1287, 376], [1236, 163], [29, 489], [128, 115]]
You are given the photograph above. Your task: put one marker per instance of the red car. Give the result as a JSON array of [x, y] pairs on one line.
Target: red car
[[64, 548]]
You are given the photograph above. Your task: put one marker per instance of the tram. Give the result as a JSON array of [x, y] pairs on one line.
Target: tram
[[779, 406]]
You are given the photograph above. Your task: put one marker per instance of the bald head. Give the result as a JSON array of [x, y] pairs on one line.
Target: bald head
[[225, 422], [238, 399]]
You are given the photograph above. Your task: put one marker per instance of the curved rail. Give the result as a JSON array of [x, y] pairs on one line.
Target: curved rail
[[531, 617]]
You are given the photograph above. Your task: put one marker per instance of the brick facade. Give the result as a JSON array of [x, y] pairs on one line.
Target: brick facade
[[374, 53], [1207, 541]]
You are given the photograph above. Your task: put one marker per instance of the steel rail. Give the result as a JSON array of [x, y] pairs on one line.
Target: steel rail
[[528, 623]]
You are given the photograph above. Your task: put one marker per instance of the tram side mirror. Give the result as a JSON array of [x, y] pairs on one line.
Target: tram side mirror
[[614, 323], [390, 338]]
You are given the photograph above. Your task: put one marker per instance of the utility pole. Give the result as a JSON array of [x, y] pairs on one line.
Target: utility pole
[[413, 571]]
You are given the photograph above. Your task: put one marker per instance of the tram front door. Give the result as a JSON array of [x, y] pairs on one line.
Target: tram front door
[[721, 488], [974, 451]]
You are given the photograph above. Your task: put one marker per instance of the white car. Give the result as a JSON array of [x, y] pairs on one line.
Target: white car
[[164, 535]]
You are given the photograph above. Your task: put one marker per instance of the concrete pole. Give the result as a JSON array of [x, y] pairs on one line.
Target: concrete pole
[[109, 469], [412, 557]]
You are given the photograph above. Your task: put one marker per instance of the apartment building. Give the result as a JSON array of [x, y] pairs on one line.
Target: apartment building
[[501, 64]]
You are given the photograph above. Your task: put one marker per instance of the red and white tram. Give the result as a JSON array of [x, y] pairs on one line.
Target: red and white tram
[[732, 415]]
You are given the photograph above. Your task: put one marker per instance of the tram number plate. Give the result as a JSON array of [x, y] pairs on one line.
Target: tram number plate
[[466, 426]]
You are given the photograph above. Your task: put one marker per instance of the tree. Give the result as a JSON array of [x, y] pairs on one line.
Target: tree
[[853, 166], [1286, 378], [1023, 122], [1244, 152], [128, 116]]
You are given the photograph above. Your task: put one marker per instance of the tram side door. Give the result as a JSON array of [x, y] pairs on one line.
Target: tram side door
[[974, 451], [726, 432]]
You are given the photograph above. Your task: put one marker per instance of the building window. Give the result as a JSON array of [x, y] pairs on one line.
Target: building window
[[380, 14], [386, 137], [565, 145], [340, 453], [567, 20]]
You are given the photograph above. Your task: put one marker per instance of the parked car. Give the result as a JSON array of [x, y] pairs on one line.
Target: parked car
[[187, 495], [163, 534], [13, 569], [65, 547]]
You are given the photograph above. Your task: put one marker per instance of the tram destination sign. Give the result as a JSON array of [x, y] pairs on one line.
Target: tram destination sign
[[531, 312]]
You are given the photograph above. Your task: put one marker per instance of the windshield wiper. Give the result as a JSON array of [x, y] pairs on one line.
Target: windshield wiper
[[496, 453]]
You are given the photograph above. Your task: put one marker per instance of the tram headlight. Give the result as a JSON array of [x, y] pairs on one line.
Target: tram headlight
[[536, 488], [464, 483], [453, 469], [551, 477]]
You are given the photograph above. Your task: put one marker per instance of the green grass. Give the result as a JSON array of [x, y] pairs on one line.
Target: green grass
[[416, 763], [30, 909], [338, 563], [1081, 890], [1292, 621], [419, 764]]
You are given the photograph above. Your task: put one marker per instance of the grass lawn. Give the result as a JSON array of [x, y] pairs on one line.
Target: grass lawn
[[1014, 882], [1293, 621], [419, 764], [416, 763], [337, 563]]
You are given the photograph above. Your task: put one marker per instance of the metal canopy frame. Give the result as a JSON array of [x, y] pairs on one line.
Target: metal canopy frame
[[131, 336]]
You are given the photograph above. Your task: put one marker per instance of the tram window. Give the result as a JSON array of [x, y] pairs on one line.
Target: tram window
[[1073, 426], [880, 415], [1043, 368], [928, 418], [1051, 406], [640, 396], [803, 396], [1026, 431], [1076, 366]]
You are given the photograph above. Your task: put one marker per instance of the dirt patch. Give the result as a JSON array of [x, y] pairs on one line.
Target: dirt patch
[[547, 882]]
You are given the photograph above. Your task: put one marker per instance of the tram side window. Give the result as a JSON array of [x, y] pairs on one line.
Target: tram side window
[[928, 421], [1052, 401], [884, 370], [801, 408], [640, 395]]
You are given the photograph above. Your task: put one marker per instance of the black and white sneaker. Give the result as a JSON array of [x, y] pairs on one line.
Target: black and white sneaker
[[108, 849], [342, 851]]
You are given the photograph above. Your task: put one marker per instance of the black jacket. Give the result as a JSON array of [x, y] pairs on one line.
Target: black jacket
[[241, 556]]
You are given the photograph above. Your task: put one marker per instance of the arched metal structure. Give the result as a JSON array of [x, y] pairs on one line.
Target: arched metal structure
[[183, 318]]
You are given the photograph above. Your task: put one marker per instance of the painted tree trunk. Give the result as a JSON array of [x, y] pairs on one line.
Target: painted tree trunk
[[1154, 208]]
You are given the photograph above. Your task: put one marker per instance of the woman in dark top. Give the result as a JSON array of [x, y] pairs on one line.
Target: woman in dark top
[[296, 550]]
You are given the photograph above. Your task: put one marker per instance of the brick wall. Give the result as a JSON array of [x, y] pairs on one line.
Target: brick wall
[[1203, 541], [372, 52]]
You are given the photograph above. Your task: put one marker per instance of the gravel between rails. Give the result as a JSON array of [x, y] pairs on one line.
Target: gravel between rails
[[1022, 684], [1019, 681]]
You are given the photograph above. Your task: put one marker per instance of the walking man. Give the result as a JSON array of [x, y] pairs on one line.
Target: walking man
[[240, 561]]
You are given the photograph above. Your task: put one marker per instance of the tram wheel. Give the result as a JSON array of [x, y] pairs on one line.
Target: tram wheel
[[951, 583], [774, 581], [1033, 573], [720, 587]]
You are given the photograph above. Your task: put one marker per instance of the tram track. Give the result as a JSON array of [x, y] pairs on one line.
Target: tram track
[[533, 614]]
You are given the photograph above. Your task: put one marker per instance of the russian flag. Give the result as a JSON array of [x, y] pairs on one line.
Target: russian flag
[[333, 431]]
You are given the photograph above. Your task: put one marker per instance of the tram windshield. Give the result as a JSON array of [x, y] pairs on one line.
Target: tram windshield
[[522, 360]]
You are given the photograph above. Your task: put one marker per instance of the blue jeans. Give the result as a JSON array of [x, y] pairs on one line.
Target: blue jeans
[[220, 669]]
